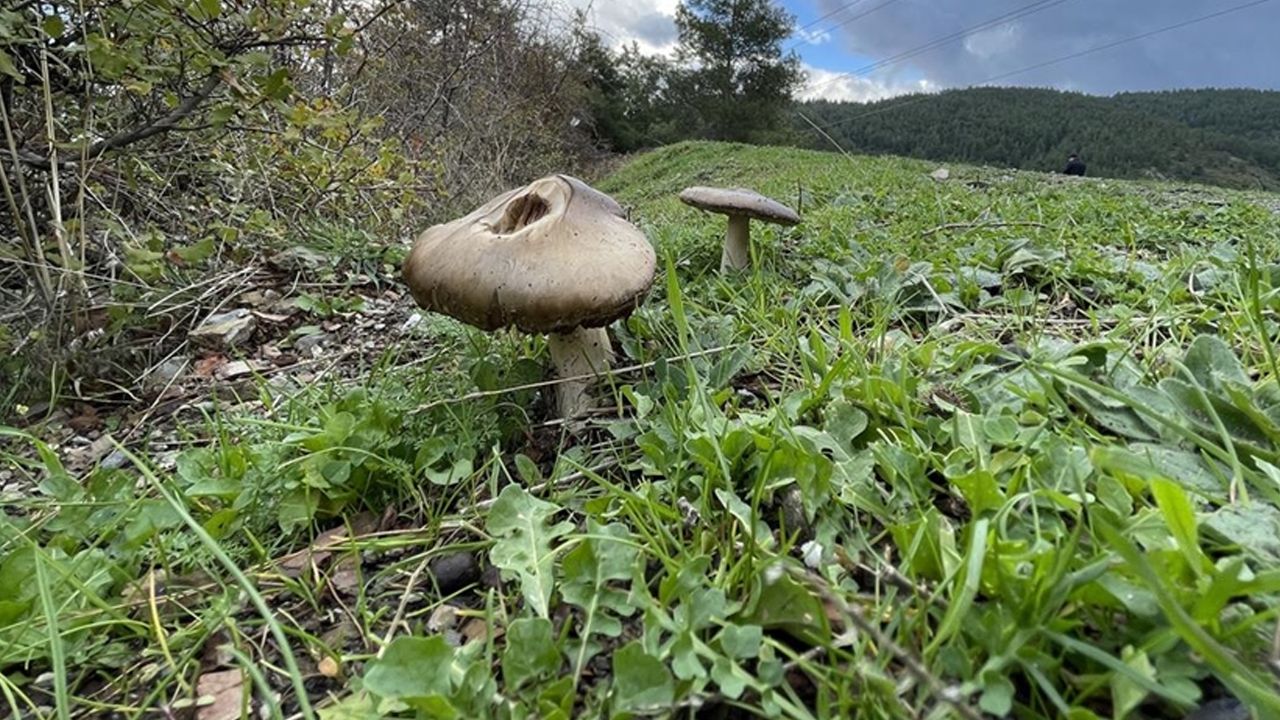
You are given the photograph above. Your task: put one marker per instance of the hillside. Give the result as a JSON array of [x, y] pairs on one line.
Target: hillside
[[1248, 114], [999, 446], [1228, 138]]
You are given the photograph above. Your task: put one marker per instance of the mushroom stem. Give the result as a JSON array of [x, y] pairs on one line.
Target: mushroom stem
[[737, 244], [581, 351]]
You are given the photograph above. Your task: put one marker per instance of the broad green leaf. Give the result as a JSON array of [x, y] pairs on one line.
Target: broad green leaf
[[1210, 361], [1206, 410], [1180, 517], [750, 522], [352, 707], [1241, 679], [640, 681], [741, 641], [1148, 461], [590, 571], [997, 694], [530, 652], [980, 490], [1125, 693], [519, 522], [730, 678], [1253, 526], [412, 669], [7, 67], [784, 603]]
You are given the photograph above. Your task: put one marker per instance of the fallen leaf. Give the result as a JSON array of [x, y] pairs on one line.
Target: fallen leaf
[[206, 366], [85, 420], [239, 368], [220, 695], [270, 317], [322, 547], [477, 629]]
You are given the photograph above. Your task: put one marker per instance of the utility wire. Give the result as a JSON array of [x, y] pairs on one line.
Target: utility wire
[[859, 16], [1064, 58], [837, 11], [1019, 13]]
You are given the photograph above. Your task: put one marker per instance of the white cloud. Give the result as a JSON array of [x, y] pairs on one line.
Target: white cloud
[[831, 85], [651, 24], [998, 40], [813, 37]]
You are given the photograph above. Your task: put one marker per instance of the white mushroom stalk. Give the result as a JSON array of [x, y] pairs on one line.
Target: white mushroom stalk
[[579, 356], [556, 257], [742, 206], [736, 254]]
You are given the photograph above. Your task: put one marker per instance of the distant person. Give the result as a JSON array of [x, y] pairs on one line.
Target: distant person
[[1074, 165]]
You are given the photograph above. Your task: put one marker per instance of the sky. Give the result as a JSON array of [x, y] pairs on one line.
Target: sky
[[981, 41]]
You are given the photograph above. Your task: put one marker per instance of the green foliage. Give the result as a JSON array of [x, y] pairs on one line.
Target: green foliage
[[1220, 137], [730, 56], [738, 62], [1000, 443], [520, 522]]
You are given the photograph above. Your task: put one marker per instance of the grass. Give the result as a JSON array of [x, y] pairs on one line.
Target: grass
[[1006, 446]]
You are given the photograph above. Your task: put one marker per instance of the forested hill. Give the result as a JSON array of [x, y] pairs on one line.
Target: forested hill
[[1221, 137]]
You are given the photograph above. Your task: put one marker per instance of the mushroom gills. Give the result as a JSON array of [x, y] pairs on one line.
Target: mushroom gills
[[522, 212], [578, 356]]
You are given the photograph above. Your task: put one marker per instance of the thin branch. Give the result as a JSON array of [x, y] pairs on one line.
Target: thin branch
[[142, 132]]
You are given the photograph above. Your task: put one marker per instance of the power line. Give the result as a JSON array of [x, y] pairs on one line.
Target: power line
[[1018, 14], [859, 16], [1064, 58], [837, 11]]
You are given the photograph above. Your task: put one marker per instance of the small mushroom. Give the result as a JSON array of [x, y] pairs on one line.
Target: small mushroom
[[556, 256], [742, 206]]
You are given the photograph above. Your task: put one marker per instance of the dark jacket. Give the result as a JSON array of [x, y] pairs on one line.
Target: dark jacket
[[1075, 167]]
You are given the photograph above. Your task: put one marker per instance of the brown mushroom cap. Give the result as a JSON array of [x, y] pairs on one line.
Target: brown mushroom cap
[[548, 257], [739, 201]]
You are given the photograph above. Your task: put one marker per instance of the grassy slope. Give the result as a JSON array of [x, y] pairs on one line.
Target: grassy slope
[[952, 440]]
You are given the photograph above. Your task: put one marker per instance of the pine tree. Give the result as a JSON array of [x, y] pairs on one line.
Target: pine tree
[[739, 79]]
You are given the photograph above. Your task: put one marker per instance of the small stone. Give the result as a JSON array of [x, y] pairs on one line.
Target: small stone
[[167, 372], [225, 330], [114, 461], [238, 368], [444, 617], [309, 344], [454, 571], [329, 667], [299, 258], [941, 174]]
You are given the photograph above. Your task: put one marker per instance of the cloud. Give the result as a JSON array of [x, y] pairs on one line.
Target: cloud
[[988, 43], [1235, 50], [812, 37], [824, 84], [648, 23]]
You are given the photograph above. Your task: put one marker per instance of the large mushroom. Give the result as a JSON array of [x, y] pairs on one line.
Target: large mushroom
[[742, 206], [556, 257]]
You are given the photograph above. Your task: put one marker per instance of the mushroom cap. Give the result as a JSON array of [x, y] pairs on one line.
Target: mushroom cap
[[739, 201], [548, 257]]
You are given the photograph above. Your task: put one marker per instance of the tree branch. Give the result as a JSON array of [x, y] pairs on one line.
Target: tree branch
[[142, 132]]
